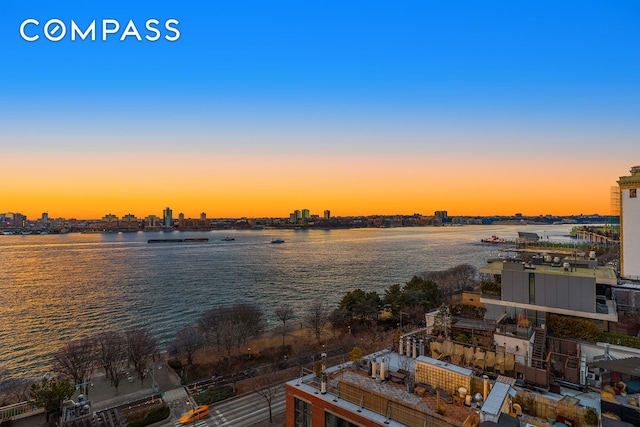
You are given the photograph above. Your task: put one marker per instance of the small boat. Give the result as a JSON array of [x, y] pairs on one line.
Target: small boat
[[277, 240], [228, 239], [493, 239]]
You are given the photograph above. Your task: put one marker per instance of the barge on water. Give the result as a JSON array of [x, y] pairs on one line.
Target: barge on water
[[187, 240]]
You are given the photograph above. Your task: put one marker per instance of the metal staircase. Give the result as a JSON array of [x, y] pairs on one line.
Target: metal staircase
[[539, 348]]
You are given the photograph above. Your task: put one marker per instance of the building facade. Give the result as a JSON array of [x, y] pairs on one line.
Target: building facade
[[630, 224]]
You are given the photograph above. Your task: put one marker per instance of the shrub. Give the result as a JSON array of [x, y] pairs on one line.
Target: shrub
[[153, 416], [462, 338], [468, 310], [591, 417], [356, 355], [215, 394], [568, 327], [491, 288], [621, 339]]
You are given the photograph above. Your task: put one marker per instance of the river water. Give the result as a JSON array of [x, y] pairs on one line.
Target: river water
[[55, 288]]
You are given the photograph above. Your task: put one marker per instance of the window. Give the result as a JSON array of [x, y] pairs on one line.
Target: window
[[632, 193], [331, 420], [532, 288], [302, 413]]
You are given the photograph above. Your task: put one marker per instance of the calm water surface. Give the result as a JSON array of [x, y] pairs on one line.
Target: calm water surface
[[55, 288]]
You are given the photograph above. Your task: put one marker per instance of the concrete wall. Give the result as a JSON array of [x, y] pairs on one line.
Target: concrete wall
[[551, 290]]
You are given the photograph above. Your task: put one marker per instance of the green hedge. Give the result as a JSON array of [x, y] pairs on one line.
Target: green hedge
[[621, 339], [568, 327], [153, 416], [468, 311], [215, 394], [491, 288]]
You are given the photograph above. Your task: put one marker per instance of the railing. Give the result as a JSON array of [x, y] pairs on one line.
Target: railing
[[20, 410]]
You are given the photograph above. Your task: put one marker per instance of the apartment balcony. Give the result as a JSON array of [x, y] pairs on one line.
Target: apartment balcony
[[611, 314]]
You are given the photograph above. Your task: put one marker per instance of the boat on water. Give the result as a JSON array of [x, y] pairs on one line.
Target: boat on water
[[277, 240], [228, 239], [493, 239], [187, 240]]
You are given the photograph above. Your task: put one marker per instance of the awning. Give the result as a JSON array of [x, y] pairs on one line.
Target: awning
[[629, 366]]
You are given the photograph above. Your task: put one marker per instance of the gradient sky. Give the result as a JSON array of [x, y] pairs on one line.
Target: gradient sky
[[360, 107]]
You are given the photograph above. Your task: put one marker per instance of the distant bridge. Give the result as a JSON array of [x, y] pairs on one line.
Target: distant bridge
[[593, 237]]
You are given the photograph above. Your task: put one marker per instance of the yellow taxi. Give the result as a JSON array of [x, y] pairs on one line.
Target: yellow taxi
[[195, 414]]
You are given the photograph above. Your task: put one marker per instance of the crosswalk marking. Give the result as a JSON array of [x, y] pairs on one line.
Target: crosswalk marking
[[200, 423]]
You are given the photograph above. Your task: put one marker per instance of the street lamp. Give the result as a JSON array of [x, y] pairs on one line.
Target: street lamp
[[154, 388], [84, 385]]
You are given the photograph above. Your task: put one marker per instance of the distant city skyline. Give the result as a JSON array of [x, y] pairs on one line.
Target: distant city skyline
[[298, 214], [479, 108]]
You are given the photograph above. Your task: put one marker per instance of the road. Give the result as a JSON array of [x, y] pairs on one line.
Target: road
[[242, 411]]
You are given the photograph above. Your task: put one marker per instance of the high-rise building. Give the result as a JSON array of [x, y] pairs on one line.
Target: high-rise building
[[306, 216], [110, 222], [167, 217], [327, 214], [630, 225], [45, 216], [152, 221], [129, 221]]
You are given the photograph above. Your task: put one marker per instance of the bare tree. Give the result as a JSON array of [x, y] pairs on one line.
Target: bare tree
[[112, 353], [267, 386], [284, 313], [454, 280], [188, 341], [316, 317], [77, 359], [12, 390], [339, 318], [249, 320], [219, 328], [230, 327], [141, 346]]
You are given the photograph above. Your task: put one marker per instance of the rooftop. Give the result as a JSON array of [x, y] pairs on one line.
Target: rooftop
[[603, 275], [347, 382]]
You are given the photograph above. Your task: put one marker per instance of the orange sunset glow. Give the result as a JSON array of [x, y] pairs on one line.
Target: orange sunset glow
[[274, 185]]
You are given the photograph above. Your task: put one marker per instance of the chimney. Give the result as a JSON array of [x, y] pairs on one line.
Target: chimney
[[382, 375], [373, 369]]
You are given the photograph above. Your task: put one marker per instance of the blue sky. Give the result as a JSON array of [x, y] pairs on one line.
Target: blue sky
[[414, 76]]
